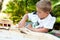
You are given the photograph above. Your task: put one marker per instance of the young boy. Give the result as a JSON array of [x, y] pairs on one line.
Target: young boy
[[42, 19]]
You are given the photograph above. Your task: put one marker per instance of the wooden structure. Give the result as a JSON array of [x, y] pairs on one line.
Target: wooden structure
[[4, 23]]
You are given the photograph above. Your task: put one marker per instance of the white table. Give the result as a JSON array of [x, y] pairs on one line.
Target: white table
[[15, 35]]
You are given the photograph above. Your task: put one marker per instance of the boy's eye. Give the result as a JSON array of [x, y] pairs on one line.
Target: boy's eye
[[39, 12]]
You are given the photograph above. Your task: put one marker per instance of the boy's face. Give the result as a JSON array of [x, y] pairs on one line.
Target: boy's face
[[41, 14]]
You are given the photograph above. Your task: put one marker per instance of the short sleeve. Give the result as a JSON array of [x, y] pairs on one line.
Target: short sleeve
[[50, 23], [32, 17]]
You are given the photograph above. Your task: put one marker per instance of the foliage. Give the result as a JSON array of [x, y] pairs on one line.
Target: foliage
[[17, 8], [1, 4]]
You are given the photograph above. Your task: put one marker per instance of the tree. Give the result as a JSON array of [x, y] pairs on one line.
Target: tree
[[1, 4]]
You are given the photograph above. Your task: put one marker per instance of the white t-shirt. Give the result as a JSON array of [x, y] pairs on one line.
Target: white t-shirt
[[48, 22]]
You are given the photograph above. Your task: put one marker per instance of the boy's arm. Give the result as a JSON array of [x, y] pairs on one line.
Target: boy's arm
[[40, 30], [37, 29], [23, 21]]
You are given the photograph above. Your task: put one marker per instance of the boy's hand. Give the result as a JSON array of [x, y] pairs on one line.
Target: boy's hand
[[29, 26]]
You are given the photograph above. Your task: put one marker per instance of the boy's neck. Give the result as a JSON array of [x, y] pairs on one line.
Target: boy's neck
[[44, 16]]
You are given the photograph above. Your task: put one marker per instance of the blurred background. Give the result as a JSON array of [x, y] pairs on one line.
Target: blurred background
[[15, 9]]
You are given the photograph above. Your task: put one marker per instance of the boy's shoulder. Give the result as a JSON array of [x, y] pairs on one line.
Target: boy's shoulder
[[51, 18], [32, 13]]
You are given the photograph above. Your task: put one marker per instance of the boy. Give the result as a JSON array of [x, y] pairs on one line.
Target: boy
[[42, 19]]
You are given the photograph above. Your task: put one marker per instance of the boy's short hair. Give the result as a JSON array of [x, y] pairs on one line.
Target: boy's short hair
[[44, 5]]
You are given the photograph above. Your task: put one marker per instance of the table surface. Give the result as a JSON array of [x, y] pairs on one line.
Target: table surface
[[15, 35]]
